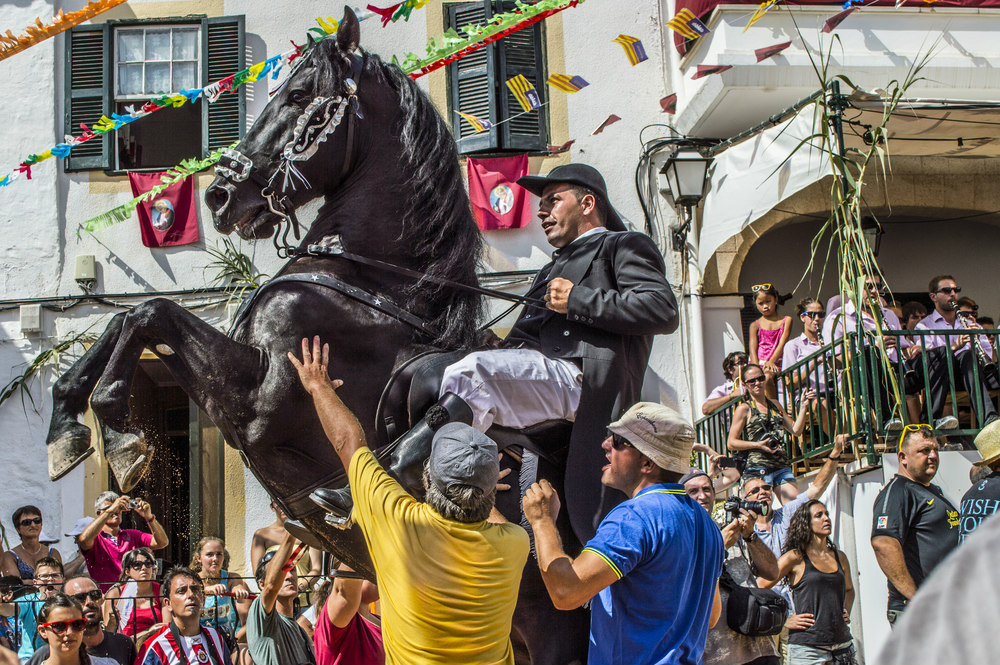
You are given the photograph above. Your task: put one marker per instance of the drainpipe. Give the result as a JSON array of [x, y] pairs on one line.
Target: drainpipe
[[694, 308]]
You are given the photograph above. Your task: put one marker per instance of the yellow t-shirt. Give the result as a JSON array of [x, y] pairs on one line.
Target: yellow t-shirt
[[447, 588]]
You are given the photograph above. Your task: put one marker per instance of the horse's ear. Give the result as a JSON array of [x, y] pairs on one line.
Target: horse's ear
[[349, 32]]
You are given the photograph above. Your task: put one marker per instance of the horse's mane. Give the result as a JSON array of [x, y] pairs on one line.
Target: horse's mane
[[438, 222]]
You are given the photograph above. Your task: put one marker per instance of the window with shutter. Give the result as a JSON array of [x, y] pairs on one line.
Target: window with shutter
[[477, 84], [87, 79], [121, 65]]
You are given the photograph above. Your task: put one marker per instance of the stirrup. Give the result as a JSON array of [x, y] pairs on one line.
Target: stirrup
[[340, 522]]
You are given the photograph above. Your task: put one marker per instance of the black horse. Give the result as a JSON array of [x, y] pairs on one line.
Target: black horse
[[358, 132]]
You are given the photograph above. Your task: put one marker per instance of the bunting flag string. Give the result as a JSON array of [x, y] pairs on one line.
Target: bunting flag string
[[688, 25], [634, 49], [524, 92], [39, 32], [478, 124], [567, 83], [835, 20], [757, 15], [612, 119], [705, 70], [768, 51], [669, 103], [398, 10], [453, 46], [125, 210]]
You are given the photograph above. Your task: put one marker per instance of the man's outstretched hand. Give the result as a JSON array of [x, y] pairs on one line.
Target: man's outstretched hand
[[312, 369]]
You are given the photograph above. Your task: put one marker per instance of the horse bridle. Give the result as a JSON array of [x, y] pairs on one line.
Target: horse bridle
[[315, 124]]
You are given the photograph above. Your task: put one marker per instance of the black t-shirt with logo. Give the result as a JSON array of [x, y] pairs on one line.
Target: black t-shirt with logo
[[115, 646], [981, 501], [922, 520]]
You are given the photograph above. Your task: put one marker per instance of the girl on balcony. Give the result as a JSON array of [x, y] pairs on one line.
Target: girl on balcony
[[757, 435], [769, 334]]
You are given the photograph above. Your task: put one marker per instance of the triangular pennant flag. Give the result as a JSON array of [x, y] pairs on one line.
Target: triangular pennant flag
[[669, 103], [705, 70], [835, 20], [757, 15], [478, 124], [688, 25], [633, 49], [524, 92], [386, 13], [767, 51], [567, 83], [612, 119], [558, 149]]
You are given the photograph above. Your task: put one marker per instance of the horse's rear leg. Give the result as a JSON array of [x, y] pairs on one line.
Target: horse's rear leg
[[213, 370], [68, 440]]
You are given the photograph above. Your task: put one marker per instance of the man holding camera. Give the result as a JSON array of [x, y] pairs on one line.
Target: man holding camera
[[104, 542], [746, 557]]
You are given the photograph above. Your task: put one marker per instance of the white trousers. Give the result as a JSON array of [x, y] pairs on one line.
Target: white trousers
[[515, 387]]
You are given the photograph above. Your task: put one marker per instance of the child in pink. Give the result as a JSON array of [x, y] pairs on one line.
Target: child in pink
[[768, 335]]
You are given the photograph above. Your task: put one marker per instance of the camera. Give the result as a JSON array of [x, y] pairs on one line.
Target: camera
[[733, 507], [134, 503]]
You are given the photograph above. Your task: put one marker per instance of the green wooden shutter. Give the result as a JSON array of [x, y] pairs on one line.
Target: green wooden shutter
[[88, 86], [223, 48], [473, 82], [521, 53]]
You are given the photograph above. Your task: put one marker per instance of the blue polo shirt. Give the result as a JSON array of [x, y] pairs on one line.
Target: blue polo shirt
[[667, 553]]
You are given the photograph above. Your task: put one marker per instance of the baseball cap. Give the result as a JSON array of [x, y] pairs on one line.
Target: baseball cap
[[693, 472], [461, 455], [577, 174], [659, 433], [80, 525]]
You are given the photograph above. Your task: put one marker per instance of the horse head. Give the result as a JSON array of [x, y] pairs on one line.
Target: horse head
[[302, 145]]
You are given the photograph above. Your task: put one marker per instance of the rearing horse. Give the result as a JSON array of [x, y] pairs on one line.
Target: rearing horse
[[359, 133]]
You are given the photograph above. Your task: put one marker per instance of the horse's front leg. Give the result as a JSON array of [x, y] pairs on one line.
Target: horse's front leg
[[68, 441], [214, 371]]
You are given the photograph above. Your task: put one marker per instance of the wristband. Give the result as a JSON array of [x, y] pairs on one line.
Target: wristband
[[749, 539]]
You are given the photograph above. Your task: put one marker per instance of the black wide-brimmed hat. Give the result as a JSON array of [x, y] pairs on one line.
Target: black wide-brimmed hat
[[577, 174]]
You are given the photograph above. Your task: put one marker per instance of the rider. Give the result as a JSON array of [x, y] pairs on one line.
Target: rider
[[584, 353]]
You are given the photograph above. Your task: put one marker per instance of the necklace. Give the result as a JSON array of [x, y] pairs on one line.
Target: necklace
[[32, 554]]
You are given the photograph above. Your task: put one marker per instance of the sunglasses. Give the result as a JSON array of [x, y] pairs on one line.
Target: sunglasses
[[28, 521], [60, 627], [94, 595], [760, 287], [912, 428], [619, 442], [759, 489], [950, 289], [136, 565], [814, 315], [756, 379]]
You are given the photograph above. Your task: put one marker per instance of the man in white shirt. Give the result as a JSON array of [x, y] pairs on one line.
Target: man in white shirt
[[957, 349]]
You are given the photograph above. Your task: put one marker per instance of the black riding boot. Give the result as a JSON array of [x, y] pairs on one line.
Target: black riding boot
[[403, 459]]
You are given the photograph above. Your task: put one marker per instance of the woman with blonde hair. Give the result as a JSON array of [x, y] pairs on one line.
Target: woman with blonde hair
[[222, 611]]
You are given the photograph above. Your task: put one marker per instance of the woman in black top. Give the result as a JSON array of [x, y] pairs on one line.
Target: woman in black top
[[819, 576]]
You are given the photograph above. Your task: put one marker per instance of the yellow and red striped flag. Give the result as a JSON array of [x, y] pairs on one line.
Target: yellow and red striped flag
[[633, 49], [567, 83], [525, 93], [478, 124], [763, 9], [688, 25]]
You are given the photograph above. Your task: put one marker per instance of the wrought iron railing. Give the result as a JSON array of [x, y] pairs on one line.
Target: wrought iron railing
[[856, 391]]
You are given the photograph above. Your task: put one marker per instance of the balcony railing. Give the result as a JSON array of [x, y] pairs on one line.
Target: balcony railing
[[856, 395]]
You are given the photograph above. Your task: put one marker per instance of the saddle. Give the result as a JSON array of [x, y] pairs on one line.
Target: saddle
[[414, 387]]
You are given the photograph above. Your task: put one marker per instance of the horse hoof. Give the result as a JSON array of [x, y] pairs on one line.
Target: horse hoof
[[129, 457], [302, 533], [338, 522], [68, 449]]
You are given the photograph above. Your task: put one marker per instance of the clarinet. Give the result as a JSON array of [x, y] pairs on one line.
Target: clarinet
[[985, 362]]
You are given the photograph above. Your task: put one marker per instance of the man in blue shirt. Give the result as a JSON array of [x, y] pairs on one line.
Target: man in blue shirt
[[655, 561]]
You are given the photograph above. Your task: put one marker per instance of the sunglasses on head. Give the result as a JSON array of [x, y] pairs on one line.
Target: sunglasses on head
[[913, 427], [619, 442], [28, 521], [94, 595], [814, 315], [760, 287], [76, 625], [949, 290]]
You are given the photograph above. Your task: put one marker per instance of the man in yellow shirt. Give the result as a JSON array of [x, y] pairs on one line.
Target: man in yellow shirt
[[448, 576]]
